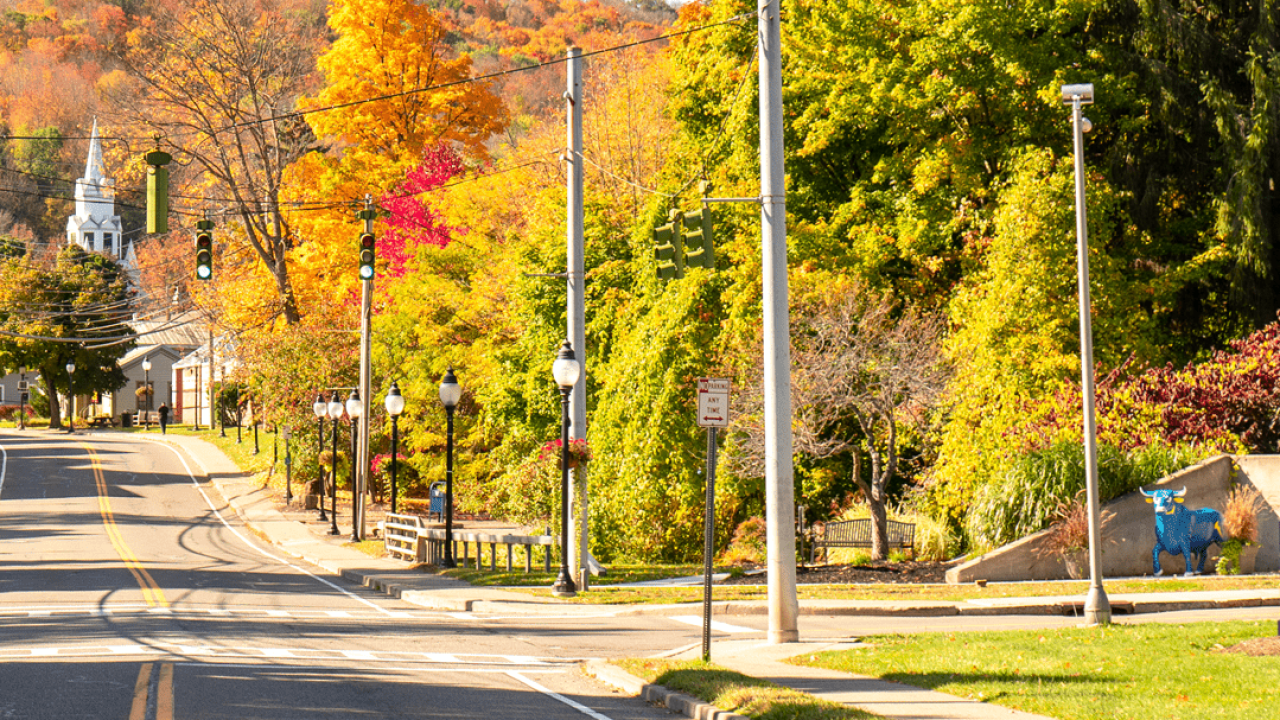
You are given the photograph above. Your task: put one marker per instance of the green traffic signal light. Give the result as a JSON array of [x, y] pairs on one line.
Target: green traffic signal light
[[667, 250], [204, 250], [367, 247], [699, 245]]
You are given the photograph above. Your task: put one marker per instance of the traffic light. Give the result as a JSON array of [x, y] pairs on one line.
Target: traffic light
[[667, 249], [367, 243], [204, 249], [699, 246]]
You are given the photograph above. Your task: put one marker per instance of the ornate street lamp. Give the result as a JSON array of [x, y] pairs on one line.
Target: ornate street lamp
[[22, 398], [355, 409], [565, 370], [146, 387], [71, 399], [321, 408], [335, 413], [395, 406], [450, 394]]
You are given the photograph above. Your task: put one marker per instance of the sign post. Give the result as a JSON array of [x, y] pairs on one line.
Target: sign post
[[713, 413]]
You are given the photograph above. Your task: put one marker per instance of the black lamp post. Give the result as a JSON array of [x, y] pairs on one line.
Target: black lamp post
[[450, 394], [565, 370], [22, 398], [321, 408], [395, 406], [71, 399], [355, 409], [335, 412], [146, 388]]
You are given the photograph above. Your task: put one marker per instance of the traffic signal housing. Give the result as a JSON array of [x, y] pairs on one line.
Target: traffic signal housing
[[367, 255], [204, 249], [699, 245], [667, 249]]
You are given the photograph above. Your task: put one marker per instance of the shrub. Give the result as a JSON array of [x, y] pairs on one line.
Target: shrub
[[748, 546], [1027, 497], [1240, 516]]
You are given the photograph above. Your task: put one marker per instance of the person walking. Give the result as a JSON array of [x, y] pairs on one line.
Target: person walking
[[164, 416]]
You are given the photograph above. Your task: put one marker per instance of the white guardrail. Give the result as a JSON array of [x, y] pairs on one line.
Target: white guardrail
[[409, 538]]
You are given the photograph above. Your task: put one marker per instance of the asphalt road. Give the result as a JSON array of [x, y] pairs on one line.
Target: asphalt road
[[129, 590]]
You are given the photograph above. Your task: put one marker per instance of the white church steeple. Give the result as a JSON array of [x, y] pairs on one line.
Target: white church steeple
[[95, 226]]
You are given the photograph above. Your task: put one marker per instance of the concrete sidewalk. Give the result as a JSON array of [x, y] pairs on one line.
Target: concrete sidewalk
[[300, 534]]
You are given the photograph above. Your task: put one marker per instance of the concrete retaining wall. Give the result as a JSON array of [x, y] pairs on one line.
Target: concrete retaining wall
[[1128, 537]]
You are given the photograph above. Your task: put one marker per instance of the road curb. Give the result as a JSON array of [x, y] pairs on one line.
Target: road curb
[[676, 702]]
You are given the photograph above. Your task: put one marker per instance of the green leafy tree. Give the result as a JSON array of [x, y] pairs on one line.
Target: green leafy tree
[[72, 308]]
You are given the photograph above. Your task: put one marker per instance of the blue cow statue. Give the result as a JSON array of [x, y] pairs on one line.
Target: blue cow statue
[[1180, 531]]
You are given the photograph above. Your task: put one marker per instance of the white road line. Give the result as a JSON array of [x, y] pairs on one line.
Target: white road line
[[245, 540], [4, 466], [305, 654], [338, 613], [696, 621], [575, 705]]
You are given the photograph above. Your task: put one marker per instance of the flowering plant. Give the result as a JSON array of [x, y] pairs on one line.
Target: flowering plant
[[579, 452]]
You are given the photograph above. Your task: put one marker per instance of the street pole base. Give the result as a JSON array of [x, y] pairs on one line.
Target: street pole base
[[448, 563], [564, 586], [1097, 608]]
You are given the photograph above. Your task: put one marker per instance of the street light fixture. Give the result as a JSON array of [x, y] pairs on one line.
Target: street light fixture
[[450, 394], [321, 408], [146, 387], [355, 409], [335, 413], [565, 370], [1097, 609], [395, 406], [71, 399]]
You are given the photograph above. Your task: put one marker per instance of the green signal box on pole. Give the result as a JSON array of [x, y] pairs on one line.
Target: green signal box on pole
[[367, 247], [204, 249], [668, 249], [699, 244]]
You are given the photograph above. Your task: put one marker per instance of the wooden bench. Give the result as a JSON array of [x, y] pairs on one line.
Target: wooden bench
[[100, 421], [857, 534]]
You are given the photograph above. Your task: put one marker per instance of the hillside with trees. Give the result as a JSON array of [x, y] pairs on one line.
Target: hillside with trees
[[930, 216]]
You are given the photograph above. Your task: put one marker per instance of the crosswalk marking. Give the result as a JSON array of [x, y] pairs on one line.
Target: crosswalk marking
[[723, 627]]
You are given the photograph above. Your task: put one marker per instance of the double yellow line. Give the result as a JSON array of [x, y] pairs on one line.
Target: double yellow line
[[151, 591], [164, 693]]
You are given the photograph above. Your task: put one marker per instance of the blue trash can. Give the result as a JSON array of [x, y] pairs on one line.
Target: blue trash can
[[436, 493]]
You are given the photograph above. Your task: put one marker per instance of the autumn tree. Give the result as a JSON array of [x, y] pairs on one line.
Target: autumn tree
[[218, 84], [72, 308], [867, 374]]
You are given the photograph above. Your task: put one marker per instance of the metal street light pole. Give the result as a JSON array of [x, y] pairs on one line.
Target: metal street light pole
[[321, 408], [335, 412], [395, 405], [146, 388], [22, 398], [565, 370], [355, 409], [71, 399], [1097, 609], [450, 394]]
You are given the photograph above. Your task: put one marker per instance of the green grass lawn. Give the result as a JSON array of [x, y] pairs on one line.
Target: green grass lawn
[[538, 583], [738, 693], [1122, 671]]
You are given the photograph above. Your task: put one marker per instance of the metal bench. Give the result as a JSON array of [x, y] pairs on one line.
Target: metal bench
[[857, 534]]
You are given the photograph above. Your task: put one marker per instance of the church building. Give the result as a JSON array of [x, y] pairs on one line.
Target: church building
[[95, 225]]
